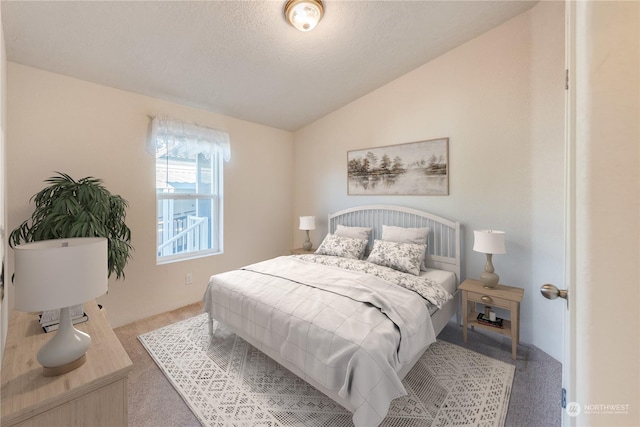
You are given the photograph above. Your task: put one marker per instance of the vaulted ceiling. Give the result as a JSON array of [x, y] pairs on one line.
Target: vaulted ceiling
[[241, 58]]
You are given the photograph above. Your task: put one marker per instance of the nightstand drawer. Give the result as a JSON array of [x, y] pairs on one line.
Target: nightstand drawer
[[488, 299]]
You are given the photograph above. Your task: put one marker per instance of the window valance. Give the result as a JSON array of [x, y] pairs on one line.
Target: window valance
[[168, 134]]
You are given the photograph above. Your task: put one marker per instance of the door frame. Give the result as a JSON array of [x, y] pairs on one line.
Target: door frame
[[569, 337]]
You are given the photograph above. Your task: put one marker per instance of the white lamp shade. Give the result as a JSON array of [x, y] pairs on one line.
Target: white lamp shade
[[489, 241], [307, 223], [58, 273]]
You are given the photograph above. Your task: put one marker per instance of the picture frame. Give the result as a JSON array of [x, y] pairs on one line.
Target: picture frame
[[415, 168]]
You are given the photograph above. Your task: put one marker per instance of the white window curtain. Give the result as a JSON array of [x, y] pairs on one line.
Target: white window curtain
[[194, 139]]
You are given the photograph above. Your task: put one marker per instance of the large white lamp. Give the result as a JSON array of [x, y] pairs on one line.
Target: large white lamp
[[307, 223], [58, 274], [489, 242]]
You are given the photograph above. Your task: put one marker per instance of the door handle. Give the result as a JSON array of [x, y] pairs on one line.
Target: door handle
[[552, 292]]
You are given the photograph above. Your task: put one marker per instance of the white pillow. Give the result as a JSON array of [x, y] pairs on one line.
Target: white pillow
[[342, 246], [405, 257], [353, 232], [416, 236]]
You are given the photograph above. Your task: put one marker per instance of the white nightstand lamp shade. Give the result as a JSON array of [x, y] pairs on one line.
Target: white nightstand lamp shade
[[489, 242], [57, 274], [307, 223]]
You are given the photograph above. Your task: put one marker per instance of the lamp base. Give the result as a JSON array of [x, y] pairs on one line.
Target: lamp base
[[307, 243], [490, 280], [59, 370], [66, 350], [488, 277]]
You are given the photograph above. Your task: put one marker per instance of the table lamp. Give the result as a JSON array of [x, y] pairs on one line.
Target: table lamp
[[489, 242], [307, 223], [58, 274]]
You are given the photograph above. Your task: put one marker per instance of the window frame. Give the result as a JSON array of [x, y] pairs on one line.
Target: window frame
[[217, 208]]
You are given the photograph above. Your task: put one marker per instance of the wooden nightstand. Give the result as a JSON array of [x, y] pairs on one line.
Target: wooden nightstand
[[95, 394], [300, 251], [502, 296]]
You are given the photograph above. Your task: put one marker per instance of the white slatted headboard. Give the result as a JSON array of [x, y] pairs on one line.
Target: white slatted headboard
[[443, 246]]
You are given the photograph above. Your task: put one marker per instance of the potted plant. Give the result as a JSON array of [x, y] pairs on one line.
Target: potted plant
[[68, 208]]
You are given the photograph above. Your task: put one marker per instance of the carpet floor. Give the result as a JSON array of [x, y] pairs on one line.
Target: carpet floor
[[153, 401], [228, 382]]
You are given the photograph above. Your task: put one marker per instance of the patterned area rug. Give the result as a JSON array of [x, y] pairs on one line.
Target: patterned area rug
[[227, 382]]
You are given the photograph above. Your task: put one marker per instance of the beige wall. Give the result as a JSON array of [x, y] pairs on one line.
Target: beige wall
[[500, 100], [63, 124], [4, 304], [608, 212]]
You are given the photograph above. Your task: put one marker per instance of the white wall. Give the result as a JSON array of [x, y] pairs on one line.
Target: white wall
[[500, 100], [62, 124], [608, 212]]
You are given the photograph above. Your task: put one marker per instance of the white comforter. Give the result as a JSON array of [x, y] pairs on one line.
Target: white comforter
[[349, 331]]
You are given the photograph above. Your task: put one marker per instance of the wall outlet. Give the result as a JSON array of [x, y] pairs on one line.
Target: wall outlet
[[188, 279]]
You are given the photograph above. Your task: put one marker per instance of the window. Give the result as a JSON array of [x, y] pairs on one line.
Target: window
[[189, 190]]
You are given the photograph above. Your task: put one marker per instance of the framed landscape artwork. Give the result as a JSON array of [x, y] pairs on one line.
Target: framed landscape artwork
[[416, 168]]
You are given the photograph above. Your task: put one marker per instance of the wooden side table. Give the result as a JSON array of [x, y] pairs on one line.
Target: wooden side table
[[502, 296], [300, 251], [95, 394]]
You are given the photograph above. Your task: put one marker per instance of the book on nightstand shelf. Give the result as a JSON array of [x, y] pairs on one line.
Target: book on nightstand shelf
[[49, 327], [51, 317], [499, 323]]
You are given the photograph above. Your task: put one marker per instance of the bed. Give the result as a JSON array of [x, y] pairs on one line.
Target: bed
[[354, 318]]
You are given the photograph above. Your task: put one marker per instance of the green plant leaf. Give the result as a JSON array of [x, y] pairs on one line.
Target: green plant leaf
[[82, 208]]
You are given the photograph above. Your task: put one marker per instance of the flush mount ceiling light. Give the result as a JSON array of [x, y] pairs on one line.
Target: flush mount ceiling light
[[304, 14]]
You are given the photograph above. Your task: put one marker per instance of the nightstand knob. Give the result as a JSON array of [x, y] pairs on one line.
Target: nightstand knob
[[486, 299]]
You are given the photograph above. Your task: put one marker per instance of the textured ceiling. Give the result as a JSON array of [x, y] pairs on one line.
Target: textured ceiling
[[240, 58]]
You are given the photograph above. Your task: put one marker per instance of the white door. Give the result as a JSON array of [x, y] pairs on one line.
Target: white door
[[595, 32], [565, 297]]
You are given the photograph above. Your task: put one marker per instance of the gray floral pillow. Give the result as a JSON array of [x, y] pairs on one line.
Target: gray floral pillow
[[342, 246], [405, 257], [419, 236], [355, 233]]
